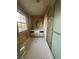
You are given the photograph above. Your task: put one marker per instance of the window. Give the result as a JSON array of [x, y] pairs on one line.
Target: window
[[21, 22]]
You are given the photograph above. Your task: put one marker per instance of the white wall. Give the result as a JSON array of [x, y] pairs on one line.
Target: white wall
[[57, 17], [56, 41]]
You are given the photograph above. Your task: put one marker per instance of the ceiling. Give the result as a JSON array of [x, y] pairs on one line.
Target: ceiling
[[35, 7]]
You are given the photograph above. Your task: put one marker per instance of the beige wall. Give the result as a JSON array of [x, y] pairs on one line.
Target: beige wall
[[37, 22], [49, 31], [50, 18]]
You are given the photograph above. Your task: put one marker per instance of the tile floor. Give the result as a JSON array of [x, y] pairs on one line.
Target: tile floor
[[38, 50]]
